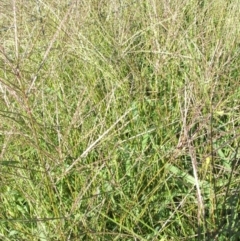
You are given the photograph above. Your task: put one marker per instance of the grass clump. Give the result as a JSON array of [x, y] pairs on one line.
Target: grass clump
[[119, 121]]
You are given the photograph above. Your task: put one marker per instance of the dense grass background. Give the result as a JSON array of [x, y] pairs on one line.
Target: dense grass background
[[119, 120]]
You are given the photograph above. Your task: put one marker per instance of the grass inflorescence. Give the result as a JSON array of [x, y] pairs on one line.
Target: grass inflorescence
[[119, 120]]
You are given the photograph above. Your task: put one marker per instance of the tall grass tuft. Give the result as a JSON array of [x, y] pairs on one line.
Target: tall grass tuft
[[119, 120]]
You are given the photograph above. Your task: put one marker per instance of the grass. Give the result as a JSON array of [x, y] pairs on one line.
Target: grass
[[119, 120]]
